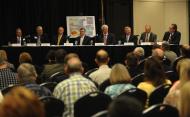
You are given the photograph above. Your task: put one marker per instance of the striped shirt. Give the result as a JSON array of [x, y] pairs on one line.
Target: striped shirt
[[70, 90]]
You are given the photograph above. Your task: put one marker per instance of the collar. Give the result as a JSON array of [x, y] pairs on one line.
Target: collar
[[103, 66]]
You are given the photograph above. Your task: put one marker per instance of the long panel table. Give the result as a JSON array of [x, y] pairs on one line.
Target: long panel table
[[86, 53]]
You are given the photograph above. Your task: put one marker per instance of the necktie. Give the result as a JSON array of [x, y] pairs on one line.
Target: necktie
[[105, 39], [169, 40], [59, 39], [146, 38]]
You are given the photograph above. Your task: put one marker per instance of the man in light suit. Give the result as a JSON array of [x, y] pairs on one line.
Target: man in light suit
[[83, 39], [128, 37], [148, 36], [172, 36], [106, 37]]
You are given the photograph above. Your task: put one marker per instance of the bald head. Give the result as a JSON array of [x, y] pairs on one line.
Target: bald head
[[74, 65], [102, 57], [147, 28], [159, 53]]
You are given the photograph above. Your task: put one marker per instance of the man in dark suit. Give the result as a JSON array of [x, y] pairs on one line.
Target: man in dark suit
[[83, 39], [40, 36], [128, 37], [148, 36], [106, 37], [60, 38], [19, 37], [172, 36]]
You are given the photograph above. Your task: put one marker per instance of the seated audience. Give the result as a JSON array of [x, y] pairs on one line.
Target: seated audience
[[7, 76], [131, 62], [173, 36], [106, 37], [125, 107], [183, 70], [21, 102], [154, 76], [148, 36], [184, 100], [120, 81], [50, 57], [168, 53], [103, 72], [139, 53], [5, 58], [27, 77], [76, 86], [51, 69]]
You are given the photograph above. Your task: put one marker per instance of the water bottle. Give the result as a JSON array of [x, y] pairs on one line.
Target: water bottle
[[91, 42], [76, 42], [24, 41], [119, 42]]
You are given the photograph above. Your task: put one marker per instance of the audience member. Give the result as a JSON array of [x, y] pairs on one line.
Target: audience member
[[74, 87], [173, 36], [125, 107], [7, 76], [154, 76], [106, 37], [131, 62], [139, 53], [21, 102], [183, 70], [27, 77], [103, 73], [168, 53], [51, 69], [3, 54], [50, 57], [120, 81], [148, 36]]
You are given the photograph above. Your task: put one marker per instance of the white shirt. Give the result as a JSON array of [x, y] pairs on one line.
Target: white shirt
[[81, 39], [100, 75], [18, 40]]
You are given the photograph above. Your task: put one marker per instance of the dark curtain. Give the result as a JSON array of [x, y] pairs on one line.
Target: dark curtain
[[27, 14]]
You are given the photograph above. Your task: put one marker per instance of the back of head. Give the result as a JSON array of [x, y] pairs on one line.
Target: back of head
[[125, 107], [185, 51], [139, 52], [102, 57], [21, 102], [183, 69], [51, 56], [154, 71], [25, 57], [74, 65], [60, 55], [165, 46], [3, 57], [184, 100], [26, 73], [119, 74], [69, 56], [158, 53], [131, 60]]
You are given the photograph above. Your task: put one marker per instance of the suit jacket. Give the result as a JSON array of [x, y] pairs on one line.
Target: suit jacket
[[175, 38], [15, 40], [110, 39], [86, 41], [44, 39], [62, 41], [152, 37], [132, 38]]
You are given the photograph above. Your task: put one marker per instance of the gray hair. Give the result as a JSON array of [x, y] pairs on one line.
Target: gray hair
[[104, 26], [139, 51]]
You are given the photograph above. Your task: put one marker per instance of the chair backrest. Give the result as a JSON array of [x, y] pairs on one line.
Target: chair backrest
[[139, 94], [158, 95], [137, 79], [49, 85], [53, 107], [91, 103], [103, 113], [161, 110], [104, 85], [171, 75], [57, 77], [90, 71], [7, 89]]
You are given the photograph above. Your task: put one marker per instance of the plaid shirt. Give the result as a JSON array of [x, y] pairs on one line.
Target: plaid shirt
[[70, 90], [7, 78]]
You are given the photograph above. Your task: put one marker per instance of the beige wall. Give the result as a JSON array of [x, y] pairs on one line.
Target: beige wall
[[160, 14]]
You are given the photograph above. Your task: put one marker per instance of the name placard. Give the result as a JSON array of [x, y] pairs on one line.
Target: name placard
[[129, 44], [31, 44], [45, 44], [15, 44], [99, 44], [68, 44], [146, 43]]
